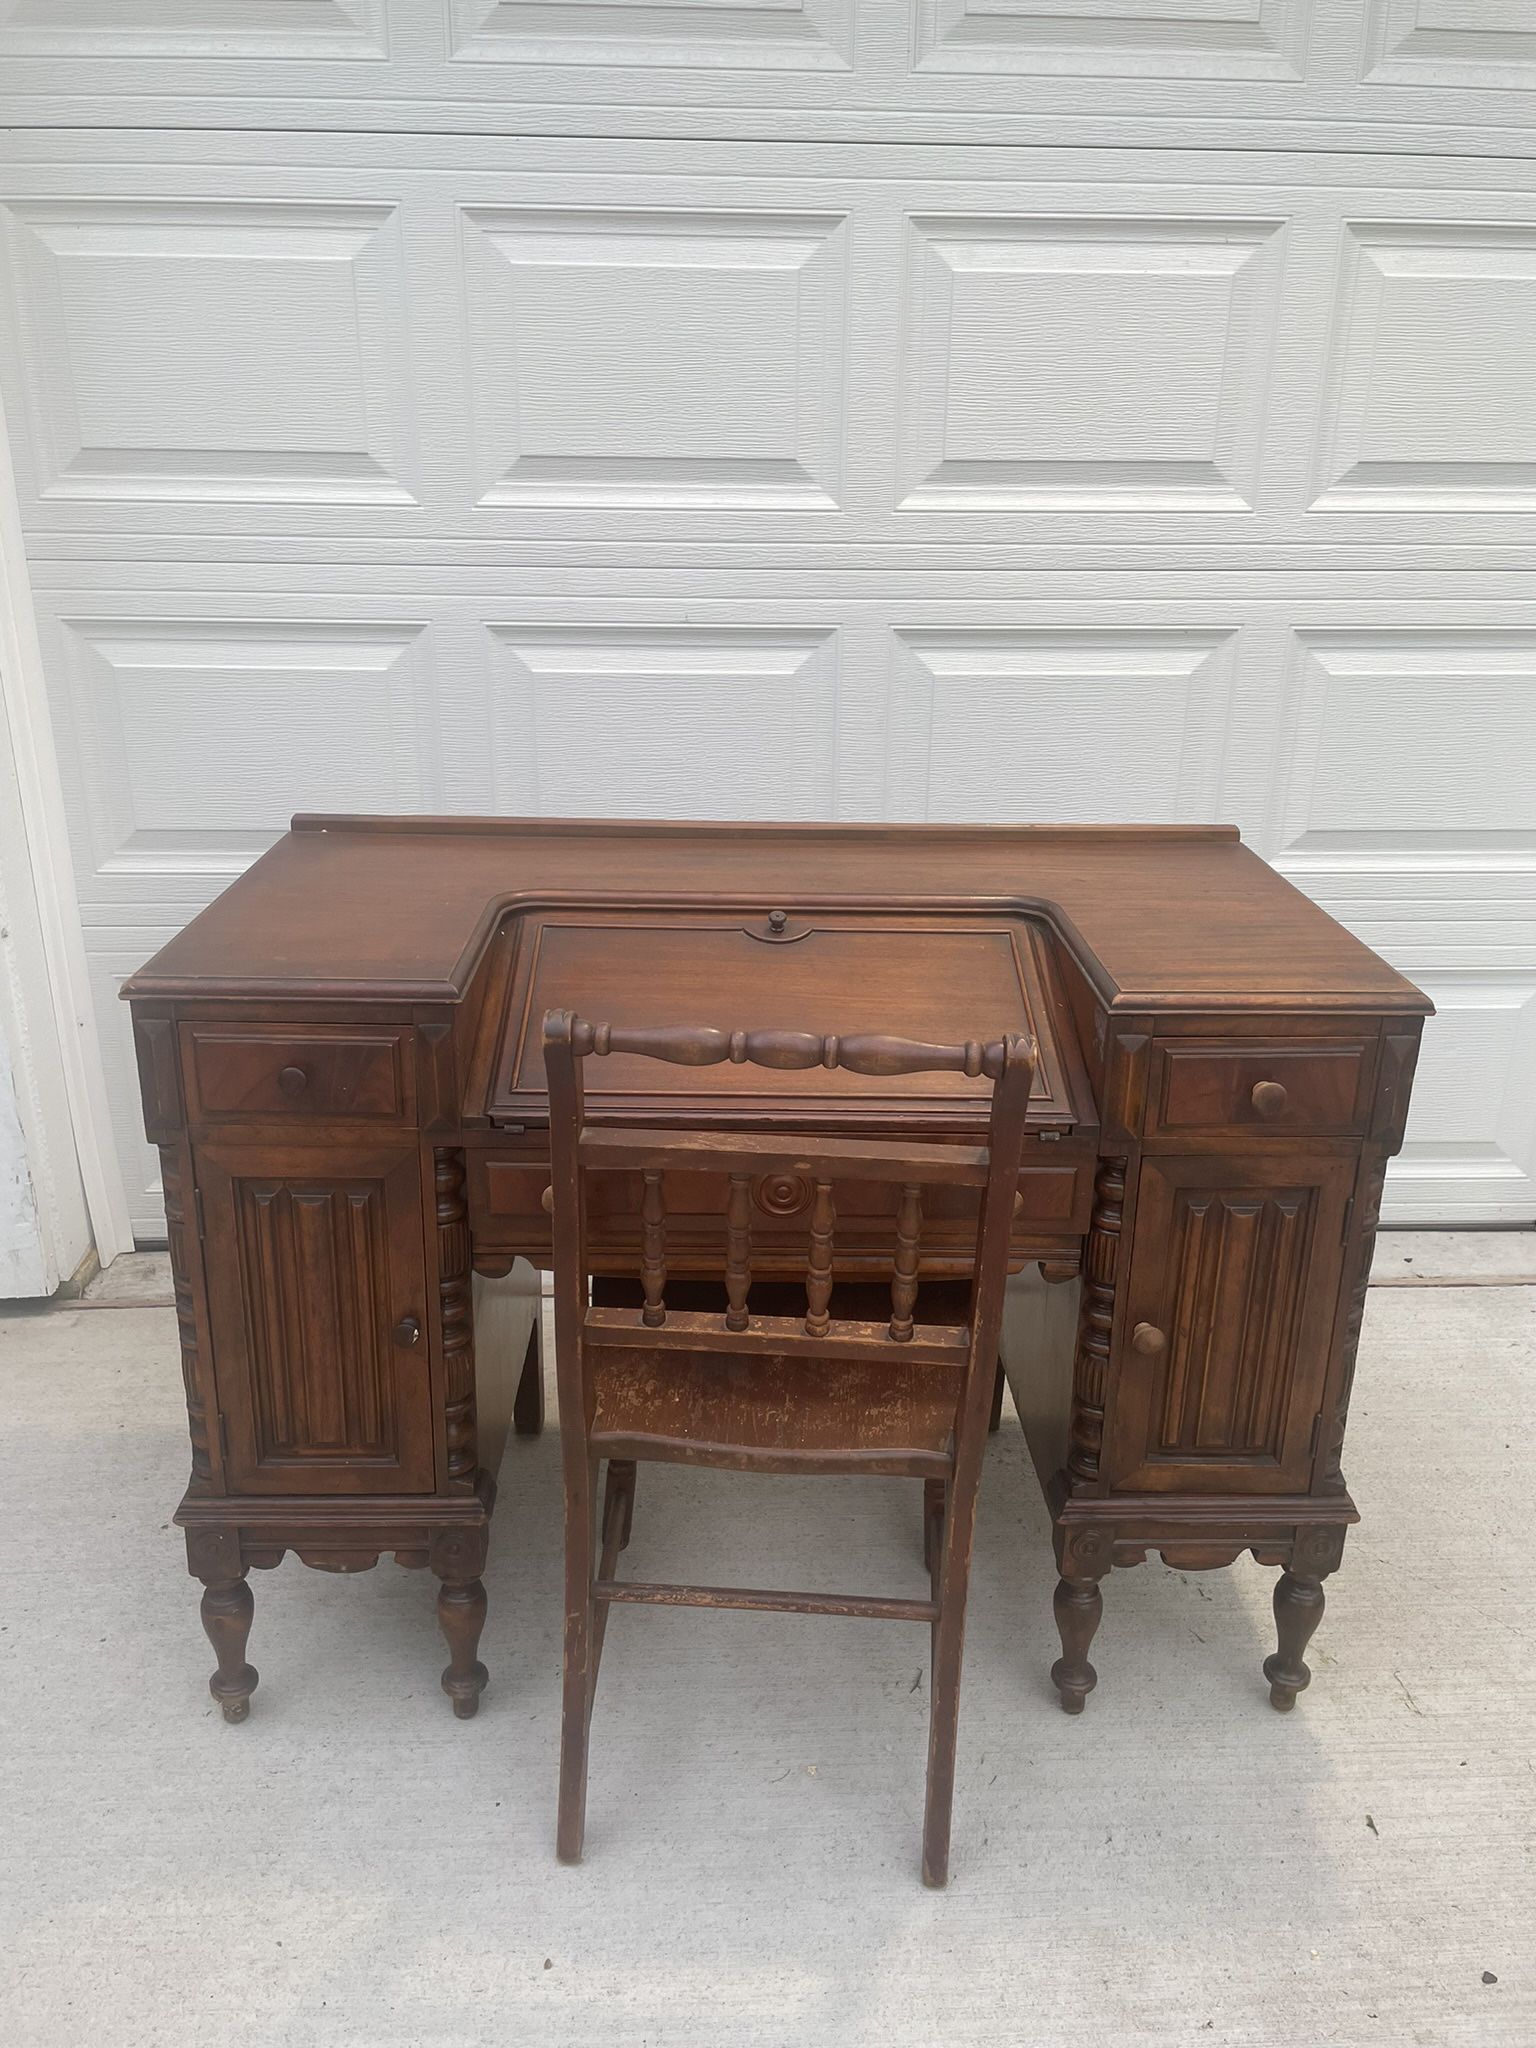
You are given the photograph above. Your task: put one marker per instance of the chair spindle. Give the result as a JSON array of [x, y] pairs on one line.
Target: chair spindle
[[909, 1225], [818, 1272], [653, 1252], [738, 1251]]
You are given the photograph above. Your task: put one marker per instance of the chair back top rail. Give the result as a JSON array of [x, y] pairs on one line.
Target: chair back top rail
[[702, 1046]]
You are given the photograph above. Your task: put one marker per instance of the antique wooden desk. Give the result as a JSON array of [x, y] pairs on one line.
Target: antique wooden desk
[[340, 1064]]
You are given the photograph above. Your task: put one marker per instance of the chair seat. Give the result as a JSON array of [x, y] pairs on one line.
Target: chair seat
[[774, 1414]]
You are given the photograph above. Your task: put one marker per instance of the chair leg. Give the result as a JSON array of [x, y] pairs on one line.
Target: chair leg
[[576, 1708], [944, 1693]]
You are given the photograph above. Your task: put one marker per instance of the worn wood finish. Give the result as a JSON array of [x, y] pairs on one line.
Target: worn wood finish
[[749, 1391], [341, 1062]]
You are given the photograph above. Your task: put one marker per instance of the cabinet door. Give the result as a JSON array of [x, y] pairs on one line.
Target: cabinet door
[[1235, 1267], [316, 1269]]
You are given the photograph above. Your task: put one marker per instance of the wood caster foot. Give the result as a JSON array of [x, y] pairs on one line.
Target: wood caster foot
[[461, 1616], [227, 1611], [1079, 1608], [1299, 1604]]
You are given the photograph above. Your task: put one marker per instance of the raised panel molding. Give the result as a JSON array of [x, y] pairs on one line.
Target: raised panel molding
[[1409, 748], [653, 722], [1227, 1249], [221, 29], [1429, 403], [1470, 1147], [766, 35], [321, 1379], [656, 358], [995, 725], [1086, 364], [213, 351], [1186, 39], [1451, 43], [196, 741]]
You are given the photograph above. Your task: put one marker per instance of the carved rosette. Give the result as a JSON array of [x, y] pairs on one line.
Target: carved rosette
[[1370, 1218], [186, 1318], [456, 1312], [1091, 1373]]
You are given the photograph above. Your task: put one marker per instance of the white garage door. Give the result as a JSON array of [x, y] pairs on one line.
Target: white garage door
[[1120, 409]]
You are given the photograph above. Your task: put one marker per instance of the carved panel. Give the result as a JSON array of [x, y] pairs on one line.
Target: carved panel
[[1225, 1339], [213, 352], [316, 1279], [1429, 404], [456, 1314], [654, 358], [1227, 1371], [1091, 1375], [1090, 364], [186, 1317]]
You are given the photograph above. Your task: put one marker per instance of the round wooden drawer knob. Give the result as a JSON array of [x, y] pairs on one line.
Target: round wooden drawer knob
[[408, 1331], [1148, 1339], [292, 1080], [1268, 1097], [547, 1201]]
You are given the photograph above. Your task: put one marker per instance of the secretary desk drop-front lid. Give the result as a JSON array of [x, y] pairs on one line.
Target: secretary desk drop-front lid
[[939, 975]]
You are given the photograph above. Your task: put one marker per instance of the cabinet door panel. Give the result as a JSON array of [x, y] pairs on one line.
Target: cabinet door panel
[[316, 1272], [1236, 1267]]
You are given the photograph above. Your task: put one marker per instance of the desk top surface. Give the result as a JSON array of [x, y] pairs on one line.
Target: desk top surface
[[403, 909]]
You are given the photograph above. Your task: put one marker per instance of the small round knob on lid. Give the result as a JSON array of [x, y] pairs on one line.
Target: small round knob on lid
[[1269, 1097], [777, 919], [1148, 1340], [292, 1080], [408, 1331]]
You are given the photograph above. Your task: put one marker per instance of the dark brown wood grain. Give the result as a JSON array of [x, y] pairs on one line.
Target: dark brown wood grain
[[751, 1391], [342, 1065]]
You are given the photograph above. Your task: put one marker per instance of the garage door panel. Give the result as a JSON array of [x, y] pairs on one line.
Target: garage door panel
[[651, 358], [1382, 72], [996, 724], [213, 353], [637, 359]]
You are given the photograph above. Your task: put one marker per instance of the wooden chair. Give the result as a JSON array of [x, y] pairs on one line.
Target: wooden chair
[[767, 1393]]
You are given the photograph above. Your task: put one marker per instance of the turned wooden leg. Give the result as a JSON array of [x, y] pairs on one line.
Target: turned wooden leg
[[227, 1611], [461, 1616], [1079, 1607], [1299, 1607], [528, 1402]]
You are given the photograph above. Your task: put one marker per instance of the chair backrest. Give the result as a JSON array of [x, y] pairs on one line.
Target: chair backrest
[[580, 1149]]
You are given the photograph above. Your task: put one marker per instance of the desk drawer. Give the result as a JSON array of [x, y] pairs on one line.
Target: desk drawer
[[1203, 1085], [315, 1071]]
